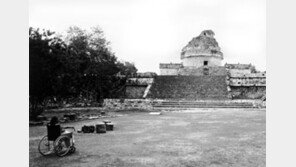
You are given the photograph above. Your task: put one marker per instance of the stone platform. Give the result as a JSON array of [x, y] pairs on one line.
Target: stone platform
[[174, 104]]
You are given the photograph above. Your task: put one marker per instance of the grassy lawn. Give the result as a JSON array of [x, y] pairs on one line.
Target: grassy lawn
[[203, 137]]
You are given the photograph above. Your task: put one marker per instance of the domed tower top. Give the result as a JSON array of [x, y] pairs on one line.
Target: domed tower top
[[203, 45], [202, 50], [207, 33]]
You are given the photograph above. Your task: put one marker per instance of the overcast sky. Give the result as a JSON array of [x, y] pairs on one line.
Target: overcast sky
[[149, 32]]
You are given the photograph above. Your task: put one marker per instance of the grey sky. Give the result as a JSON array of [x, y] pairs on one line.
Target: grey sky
[[149, 32]]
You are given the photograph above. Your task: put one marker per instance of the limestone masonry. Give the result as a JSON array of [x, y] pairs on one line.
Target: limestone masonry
[[200, 76], [200, 54]]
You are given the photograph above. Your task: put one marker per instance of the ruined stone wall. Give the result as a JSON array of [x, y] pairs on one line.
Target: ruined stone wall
[[239, 66], [261, 75], [169, 71], [139, 81], [170, 65], [147, 104], [189, 87], [248, 92], [239, 71], [199, 61], [246, 85], [135, 87], [247, 81], [212, 70], [121, 104], [135, 91]]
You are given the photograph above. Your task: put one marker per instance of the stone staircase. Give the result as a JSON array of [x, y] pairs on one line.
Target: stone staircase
[[189, 87], [183, 105]]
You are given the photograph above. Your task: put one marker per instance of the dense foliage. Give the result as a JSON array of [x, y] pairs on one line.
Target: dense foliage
[[80, 65]]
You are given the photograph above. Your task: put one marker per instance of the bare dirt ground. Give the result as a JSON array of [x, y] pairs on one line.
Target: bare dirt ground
[[199, 138]]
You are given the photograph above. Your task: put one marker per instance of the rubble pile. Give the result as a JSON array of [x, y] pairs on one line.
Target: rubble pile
[[100, 127]]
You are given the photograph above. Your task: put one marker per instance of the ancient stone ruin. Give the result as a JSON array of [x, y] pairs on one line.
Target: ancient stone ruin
[[198, 57], [199, 79]]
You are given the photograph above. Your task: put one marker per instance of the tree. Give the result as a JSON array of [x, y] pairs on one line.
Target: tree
[[96, 64], [80, 65], [44, 66], [127, 69]]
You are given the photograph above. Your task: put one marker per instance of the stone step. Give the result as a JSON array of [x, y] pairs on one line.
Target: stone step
[[203, 106], [189, 87], [186, 108], [200, 103]]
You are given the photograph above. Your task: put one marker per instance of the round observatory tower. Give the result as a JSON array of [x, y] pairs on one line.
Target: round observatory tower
[[202, 51]]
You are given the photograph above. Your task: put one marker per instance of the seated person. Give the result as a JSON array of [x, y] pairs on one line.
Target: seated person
[[54, 130]]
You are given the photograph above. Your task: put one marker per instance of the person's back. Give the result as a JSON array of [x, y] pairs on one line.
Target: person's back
[[53, 129]]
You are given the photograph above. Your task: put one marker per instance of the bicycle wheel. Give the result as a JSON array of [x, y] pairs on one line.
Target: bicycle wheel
[[62, 145], [44, 146]]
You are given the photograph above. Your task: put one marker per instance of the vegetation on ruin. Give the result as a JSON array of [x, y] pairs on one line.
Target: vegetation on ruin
[[203, 44], [79, 65]]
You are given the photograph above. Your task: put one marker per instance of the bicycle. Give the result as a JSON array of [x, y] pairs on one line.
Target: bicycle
[[63, 143]]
